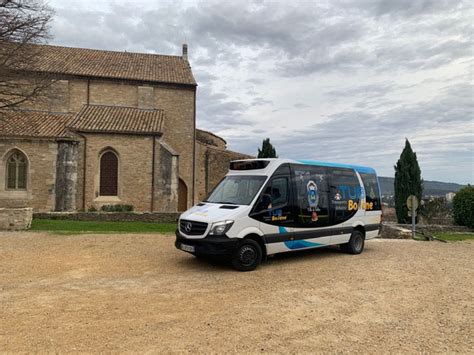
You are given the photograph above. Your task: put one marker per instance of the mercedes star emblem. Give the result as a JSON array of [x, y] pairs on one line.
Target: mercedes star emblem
[[188, 227]]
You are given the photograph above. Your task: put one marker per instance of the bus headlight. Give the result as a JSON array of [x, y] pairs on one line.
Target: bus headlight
[[220, 228]]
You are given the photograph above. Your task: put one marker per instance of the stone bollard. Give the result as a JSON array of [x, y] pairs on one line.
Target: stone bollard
[[14, 219]]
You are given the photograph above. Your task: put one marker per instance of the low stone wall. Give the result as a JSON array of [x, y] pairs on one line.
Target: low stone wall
[[15, 218], [439, 228], [157, 217], [395, 231], [403, 231]]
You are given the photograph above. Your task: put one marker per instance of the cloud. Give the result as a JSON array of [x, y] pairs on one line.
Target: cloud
[[403, 8], [344, 80], [301, 105], [217, 111], [378, 89], [441, 130]]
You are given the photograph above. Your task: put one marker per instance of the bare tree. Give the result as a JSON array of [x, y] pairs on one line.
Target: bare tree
[[23, 23]]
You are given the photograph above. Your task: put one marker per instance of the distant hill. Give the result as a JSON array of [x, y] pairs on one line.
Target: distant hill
[[431, 188]]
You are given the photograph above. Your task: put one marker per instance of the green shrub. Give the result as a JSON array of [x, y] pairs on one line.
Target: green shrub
[[117, 208], [463, 207]]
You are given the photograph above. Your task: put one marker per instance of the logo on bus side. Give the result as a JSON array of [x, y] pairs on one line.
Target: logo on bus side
[[368, 206], [352, 205], [277, 215], [313, 199]]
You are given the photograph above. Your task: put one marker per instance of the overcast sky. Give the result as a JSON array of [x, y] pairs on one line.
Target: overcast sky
[[339, 80]]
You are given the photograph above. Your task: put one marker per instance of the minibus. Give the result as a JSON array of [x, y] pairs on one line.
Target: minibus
[[268, 206]]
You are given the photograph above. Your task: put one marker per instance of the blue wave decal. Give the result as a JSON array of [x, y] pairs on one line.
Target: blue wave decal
[[282, 230], [299, 244]]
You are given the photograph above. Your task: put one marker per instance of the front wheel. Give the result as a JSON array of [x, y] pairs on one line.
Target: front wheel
[[356, 243], [247, 256]]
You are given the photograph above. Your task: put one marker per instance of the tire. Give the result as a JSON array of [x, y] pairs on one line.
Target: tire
[[247, 256], [356, 243]]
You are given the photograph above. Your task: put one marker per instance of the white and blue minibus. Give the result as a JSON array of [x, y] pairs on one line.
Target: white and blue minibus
[[268, 206]]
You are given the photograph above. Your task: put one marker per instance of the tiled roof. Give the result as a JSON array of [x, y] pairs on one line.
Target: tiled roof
[[25, 123], [111, 64], [116, 119]]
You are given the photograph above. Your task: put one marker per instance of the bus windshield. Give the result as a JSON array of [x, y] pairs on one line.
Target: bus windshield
[[236, 190]]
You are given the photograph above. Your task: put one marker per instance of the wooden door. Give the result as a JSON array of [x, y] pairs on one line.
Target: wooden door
[[182, 196]]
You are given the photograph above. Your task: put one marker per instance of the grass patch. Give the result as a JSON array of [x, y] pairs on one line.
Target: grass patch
[[77, 227], [454, 236]]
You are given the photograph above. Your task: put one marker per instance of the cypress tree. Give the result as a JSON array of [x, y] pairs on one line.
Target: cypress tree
[[268, 151], [407, 182]]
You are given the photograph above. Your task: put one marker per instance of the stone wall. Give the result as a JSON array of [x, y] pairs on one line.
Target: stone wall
[[77, 94], [210, 138], [166, 178], [403, 231], [156, 217], [212, 164], [178, 128], [15, 218], [134, 170], [66, 176], [178, 102], [41, 178], [115, 93]]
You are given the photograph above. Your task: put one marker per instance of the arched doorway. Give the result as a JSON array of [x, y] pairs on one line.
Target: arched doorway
[[108, 185], [182, 196]]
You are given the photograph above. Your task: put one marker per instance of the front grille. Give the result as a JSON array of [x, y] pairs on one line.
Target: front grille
[[192, 227]]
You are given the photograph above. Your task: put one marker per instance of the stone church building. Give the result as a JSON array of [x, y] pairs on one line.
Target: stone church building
[[113, 128]]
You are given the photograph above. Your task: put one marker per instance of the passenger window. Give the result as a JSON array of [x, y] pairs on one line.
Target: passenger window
[[345, 194], [311, 196], [372, 194]]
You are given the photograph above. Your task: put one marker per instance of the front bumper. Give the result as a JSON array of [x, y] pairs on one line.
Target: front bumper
[[219, 245]]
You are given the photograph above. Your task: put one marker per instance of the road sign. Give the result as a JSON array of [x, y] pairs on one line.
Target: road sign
[[412, 203]]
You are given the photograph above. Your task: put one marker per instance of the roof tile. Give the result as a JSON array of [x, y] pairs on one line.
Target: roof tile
[[117, 119], [112, 64], [26, 123]]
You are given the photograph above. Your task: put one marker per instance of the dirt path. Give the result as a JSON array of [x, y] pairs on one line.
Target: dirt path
[[137, 293]]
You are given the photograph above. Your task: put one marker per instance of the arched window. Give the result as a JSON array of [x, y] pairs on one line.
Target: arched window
[[16, 171], [108, 174]]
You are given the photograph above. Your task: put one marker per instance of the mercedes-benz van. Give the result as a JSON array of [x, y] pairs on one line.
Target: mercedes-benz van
[[268, 206]]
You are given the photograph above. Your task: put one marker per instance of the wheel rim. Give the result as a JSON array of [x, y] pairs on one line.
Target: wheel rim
[[247, 255], [358, 243]]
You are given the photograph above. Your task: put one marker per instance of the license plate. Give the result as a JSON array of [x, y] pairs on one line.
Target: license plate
[[188, 248]]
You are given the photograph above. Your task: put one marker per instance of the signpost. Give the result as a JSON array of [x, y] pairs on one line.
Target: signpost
[[412, 204]]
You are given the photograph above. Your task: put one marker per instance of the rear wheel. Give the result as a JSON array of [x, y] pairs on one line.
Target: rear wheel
[[247, 256], [356, 243]]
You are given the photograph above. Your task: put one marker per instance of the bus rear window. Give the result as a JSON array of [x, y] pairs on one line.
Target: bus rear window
[[372, 193]]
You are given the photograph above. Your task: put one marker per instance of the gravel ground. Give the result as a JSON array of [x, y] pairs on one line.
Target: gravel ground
[[137, 293]]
